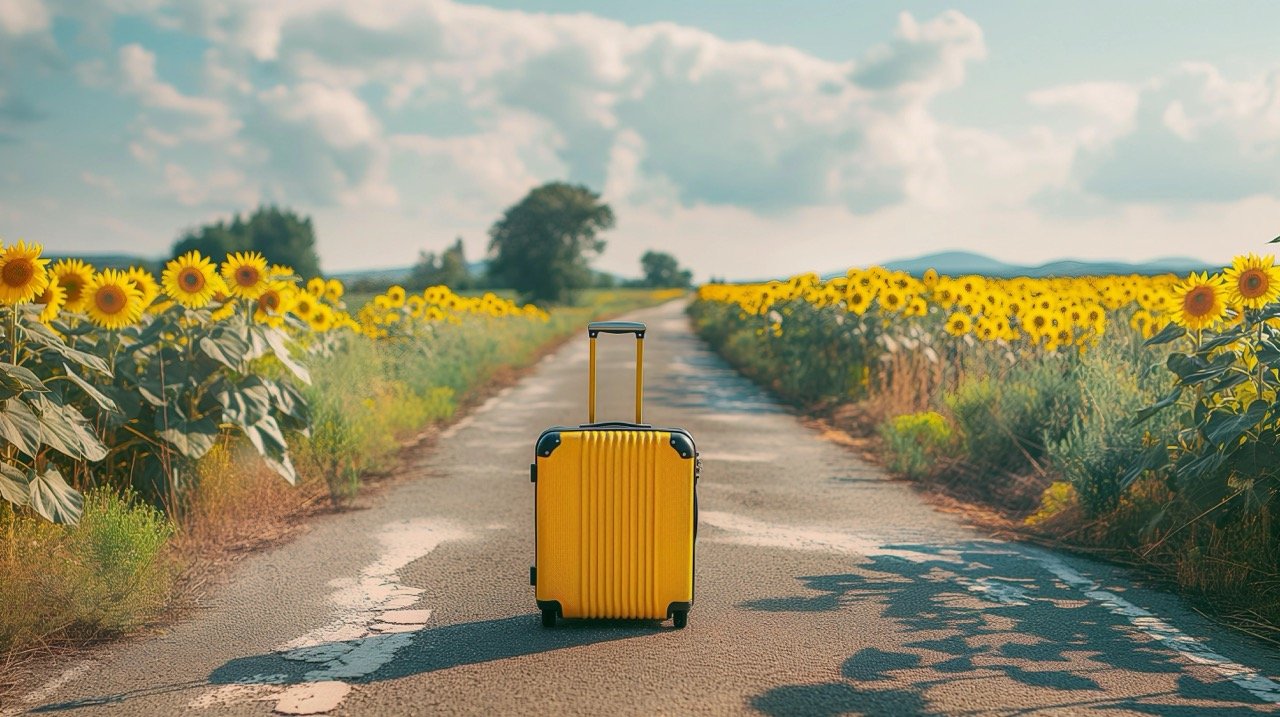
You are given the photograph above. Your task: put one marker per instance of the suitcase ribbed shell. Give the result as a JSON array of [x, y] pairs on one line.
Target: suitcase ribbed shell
[[615, 524]]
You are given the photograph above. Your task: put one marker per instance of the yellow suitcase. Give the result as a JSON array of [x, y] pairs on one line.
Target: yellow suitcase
[[615, 512]]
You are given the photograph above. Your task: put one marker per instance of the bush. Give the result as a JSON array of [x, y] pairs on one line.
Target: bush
[[915, 442], [1006, 423], [108, 574], [1102, 442]]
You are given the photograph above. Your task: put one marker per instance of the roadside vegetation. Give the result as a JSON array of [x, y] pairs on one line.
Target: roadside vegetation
[[156, 424], [1134, 417]]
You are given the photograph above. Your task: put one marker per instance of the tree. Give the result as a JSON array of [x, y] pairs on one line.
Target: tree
[[661, 270], [450, 269], [539, 247], [281, 235]]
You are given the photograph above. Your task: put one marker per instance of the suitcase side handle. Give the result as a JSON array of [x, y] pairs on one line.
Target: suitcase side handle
[[594, 329]]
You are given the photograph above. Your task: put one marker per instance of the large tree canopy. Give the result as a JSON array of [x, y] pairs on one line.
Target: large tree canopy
[[541, 245], [281, 235]]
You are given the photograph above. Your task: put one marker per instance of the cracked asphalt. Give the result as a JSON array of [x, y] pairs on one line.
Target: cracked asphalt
[[823, 588]]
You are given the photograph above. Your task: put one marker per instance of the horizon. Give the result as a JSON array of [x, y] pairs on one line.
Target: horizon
[[744, 140]]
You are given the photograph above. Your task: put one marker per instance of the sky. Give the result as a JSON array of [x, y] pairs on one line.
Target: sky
[[746, 138]]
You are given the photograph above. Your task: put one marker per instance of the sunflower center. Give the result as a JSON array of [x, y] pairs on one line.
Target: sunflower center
[[1199, 301], [110, 299], [73, 288], [191, 280], [1254, 283], [45, 297], [18, 273], [247, 276], [269, 301]]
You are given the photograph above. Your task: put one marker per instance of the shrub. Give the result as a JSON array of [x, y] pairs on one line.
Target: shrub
[[916, 441], [1097, 451], [1006, 423], [105, 575]]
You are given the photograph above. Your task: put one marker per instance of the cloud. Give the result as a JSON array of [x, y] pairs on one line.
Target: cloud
[[1189, 135], [106, 185], [719, 122], [923, 58], [222, 188], [137, 75], [23, 17]]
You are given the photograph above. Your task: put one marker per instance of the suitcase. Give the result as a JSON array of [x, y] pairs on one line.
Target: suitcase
[[615, 512]]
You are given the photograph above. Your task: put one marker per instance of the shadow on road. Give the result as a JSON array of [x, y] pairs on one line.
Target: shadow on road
[[411, 653], [986, 614], [444, 647]]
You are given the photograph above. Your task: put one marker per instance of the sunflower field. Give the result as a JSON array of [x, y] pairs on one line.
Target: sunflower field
[[1139, 410], [127, 380]]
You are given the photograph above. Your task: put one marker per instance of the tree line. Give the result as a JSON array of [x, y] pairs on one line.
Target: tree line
[[541, 247]]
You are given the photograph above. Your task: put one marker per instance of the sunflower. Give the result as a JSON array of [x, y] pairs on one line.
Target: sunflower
[[305, 305], [190, 280], [54, 298], [1199, 301], [113, 301], [395, 296], [322, 319], [316, 286], [1253, 281], [73, 275], [23, 276], [959, 324], [273, 303], [145, 283], [245, 274], [333, 290]]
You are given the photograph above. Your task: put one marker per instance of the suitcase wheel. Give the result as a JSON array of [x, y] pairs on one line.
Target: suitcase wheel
[[680, 618], [549, 617]]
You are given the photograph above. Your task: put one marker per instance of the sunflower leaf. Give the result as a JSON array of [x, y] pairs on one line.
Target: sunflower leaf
[[13, 485], [1171, 332], [100, 398], [52, 498]]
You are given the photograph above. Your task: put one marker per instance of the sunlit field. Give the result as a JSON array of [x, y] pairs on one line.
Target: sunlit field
[[1135, 413]]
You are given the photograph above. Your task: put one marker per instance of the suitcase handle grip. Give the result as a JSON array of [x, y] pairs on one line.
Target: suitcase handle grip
[[594, 329], [616, 327]]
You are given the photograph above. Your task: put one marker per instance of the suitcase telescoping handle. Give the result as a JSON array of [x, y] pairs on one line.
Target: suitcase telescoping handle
[[594, 329]]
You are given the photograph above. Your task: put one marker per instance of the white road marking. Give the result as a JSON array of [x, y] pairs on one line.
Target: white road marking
[[371, 623], [747, 531], [1195, 650]]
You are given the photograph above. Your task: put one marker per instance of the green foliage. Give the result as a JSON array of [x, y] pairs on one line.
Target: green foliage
[[281, 235], [449, 269], [178, 384], [1103, 442], [540, 246], [107, 574], [915, 442], [1226, 453], [1007, 423], [821, 357], [44, 395], [661, 270]]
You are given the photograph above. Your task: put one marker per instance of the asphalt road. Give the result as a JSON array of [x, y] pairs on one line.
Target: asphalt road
[[823, 588]]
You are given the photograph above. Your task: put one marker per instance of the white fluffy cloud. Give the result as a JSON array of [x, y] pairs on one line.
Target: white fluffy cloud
[[1191, 135], [415, 120]]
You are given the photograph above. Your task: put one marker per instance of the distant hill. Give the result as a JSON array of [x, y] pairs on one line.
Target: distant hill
[[955, 263]]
